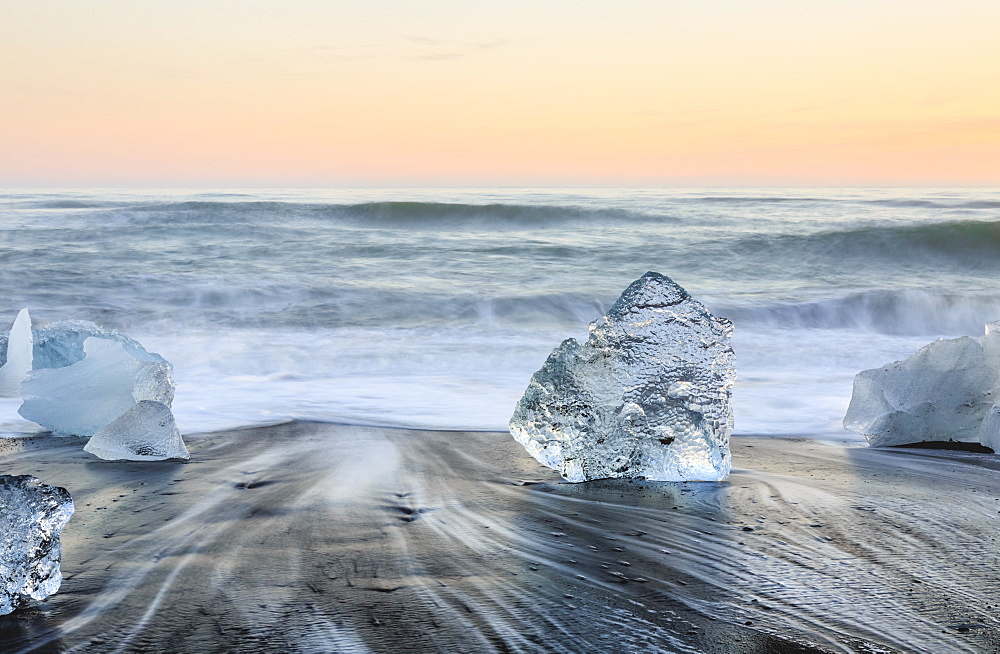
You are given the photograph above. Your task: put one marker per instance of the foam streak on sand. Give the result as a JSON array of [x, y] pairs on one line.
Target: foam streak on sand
[[314, 537]]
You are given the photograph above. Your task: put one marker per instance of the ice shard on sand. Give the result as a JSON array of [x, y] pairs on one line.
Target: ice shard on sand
[[145, 432], [647, 396], [86, 377], [949, 390], [32, 516], [17, 356]]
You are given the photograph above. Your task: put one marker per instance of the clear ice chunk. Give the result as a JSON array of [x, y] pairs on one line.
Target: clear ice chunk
[[85, 396], [146, 432], [647, 396], [17, 357], [946, 391], [31, 517], [60, 344]]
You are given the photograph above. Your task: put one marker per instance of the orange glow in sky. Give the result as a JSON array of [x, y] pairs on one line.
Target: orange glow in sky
[[319, 92]]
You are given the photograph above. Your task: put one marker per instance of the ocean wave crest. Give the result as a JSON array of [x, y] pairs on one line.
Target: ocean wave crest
[[71, 204], [895, 312], [386, 214], [351, 307], [968, 241], [759, 199], [310, 306], [936, 204], [902, 203]]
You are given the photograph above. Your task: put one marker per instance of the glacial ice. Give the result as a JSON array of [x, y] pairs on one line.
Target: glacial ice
[[989, 430], [947, 391], [18, 356], [31, 517], [84, 396], [647, 396], [61, 344], [145, 432], [83, 380]]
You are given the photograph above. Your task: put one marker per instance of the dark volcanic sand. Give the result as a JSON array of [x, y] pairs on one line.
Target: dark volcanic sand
[[309, 537]]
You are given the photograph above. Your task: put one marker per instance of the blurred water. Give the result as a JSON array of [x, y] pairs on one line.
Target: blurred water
[[433, 307]]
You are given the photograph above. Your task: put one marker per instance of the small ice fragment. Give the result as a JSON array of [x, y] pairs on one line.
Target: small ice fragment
[[146, 432], [647, 396], [946, 391], [81, 398], [18, 356], [31, 518]]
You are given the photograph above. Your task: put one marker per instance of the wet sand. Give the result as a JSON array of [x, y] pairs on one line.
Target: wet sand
[[311, 537]]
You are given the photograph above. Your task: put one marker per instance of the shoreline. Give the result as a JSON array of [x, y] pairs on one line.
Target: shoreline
[[307, 536]]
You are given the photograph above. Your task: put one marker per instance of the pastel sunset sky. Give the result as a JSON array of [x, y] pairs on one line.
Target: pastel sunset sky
[[386, 92]]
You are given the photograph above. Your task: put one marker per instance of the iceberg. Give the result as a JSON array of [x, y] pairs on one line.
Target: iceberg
[[145, 432], [647, 396], [17, 357], [32, 516], [947, 391], [104, 380]]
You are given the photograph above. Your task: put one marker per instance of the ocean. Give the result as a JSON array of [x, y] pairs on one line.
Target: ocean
[[431, 308]]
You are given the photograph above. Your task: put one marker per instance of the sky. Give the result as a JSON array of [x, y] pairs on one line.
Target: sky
[[426, 92]]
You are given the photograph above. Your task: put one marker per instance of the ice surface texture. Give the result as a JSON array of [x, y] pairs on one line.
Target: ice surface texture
[[61, 344], [81, 398], [947, 391], [17, 356], [146, 432], [86, 377], [31, 517], [647, 396]]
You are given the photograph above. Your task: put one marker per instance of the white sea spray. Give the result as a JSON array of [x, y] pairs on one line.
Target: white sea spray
[[433, 307]]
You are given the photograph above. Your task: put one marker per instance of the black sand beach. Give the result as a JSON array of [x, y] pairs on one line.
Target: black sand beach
[[312, 537]]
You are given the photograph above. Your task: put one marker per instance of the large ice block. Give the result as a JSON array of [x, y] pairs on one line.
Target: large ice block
[[647, 396], [17, 356], [146, 432], [946, 391], [60, 344], [85, 396], [31, 517]]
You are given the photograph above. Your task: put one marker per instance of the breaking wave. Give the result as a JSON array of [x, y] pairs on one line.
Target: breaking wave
[[961, 237], [897, 312], [295, 307], [433, 308]]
